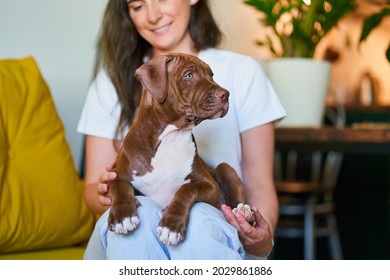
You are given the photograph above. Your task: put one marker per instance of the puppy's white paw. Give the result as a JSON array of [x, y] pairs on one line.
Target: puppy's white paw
[[246, 211], [127, 226], [168, 237]]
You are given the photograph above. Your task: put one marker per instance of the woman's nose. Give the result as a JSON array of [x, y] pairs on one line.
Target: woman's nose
[[154, 13]]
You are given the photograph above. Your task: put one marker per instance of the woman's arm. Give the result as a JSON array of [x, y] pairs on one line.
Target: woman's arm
[[99, 152], [258, 156]]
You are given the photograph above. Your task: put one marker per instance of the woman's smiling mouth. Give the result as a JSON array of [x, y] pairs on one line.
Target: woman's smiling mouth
[[161, 29]]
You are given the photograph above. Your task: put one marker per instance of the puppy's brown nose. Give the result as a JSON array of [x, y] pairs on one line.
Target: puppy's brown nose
[[222, 94]]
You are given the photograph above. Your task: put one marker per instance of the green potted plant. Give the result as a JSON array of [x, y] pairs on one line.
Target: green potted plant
[[294, 29], [297, 26]]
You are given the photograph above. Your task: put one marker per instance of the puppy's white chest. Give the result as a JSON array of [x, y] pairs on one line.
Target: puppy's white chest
[[171, 165]]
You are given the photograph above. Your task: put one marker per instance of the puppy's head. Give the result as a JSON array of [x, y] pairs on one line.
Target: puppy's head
[[183, 88]]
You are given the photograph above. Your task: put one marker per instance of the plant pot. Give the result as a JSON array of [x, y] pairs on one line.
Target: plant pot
[[302, 86]]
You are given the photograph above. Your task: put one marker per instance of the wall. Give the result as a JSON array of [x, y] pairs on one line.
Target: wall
[[355, 61], [60, 35], [240, 25]]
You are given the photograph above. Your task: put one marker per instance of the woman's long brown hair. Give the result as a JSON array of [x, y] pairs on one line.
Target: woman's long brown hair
[[121, 50]]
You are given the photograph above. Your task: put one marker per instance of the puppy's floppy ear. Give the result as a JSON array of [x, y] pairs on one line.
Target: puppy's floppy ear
[[154, 77]]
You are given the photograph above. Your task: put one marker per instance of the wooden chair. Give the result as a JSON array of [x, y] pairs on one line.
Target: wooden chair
[[305, 182]]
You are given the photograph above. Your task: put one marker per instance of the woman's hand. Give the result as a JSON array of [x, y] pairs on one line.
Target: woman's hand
[[99, 152], [102, 187], [256, 239]]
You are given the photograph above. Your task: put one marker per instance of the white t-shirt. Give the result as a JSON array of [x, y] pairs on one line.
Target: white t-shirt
[[252, 102]]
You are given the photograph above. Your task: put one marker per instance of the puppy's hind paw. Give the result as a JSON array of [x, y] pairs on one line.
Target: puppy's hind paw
[[246, 211]]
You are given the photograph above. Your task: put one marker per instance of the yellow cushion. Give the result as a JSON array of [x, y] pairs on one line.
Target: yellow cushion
[[62, 253], [41, 200]]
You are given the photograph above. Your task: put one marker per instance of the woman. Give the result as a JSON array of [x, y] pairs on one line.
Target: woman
[[133, 31]]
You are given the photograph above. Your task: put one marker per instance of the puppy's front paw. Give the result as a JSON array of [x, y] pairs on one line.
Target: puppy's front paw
[[172, 227], [126, 226], [246, 211], [123, 218], [168, 237]]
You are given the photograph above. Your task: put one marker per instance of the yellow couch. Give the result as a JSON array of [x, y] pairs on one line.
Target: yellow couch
[[42, 212]]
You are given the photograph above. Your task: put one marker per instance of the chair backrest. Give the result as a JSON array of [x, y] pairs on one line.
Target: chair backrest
[[319, 167]]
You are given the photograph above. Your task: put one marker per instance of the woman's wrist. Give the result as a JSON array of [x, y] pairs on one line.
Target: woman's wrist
[[254, 256], [270, 251]]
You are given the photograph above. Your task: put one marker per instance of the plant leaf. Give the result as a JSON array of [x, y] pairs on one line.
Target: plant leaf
[[371, 22]]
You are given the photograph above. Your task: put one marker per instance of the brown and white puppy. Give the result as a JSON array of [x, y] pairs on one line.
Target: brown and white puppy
[[159, 156]]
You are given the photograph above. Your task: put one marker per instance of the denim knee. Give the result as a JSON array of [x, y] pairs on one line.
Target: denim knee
[[208, 219]]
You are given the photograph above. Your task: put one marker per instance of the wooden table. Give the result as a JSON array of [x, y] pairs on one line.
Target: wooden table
[[348, 140], [363, 190]]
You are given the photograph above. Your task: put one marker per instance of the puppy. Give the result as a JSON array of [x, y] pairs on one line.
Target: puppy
[[159, 158]]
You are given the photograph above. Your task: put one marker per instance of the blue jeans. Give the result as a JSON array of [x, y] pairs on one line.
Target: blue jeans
[[209, 236]]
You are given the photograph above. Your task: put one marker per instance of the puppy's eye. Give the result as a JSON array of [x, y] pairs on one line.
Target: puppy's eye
[[188, 75]]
